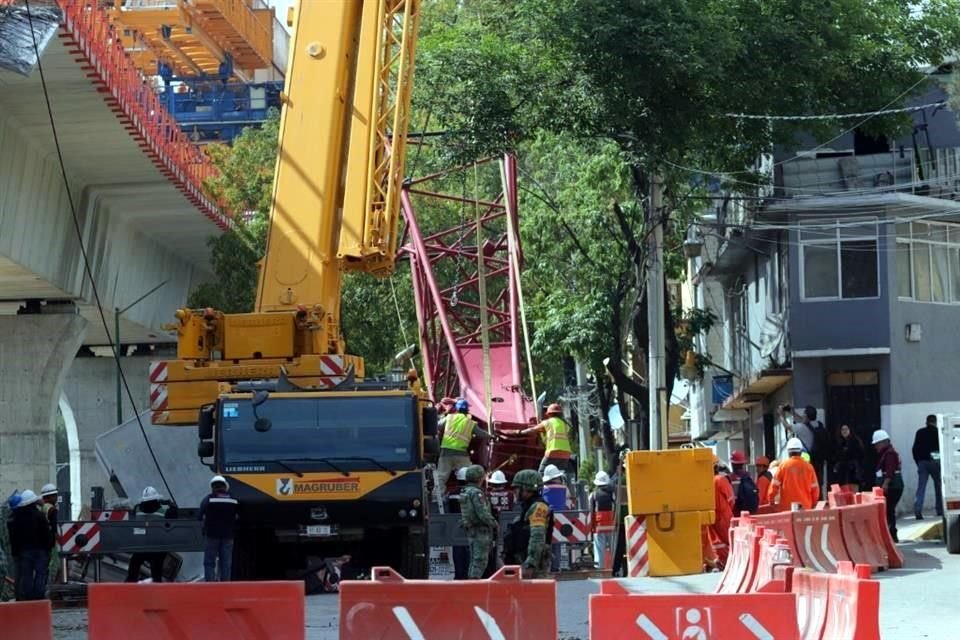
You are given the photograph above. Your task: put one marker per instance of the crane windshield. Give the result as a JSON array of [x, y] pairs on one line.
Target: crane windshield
[[342, 429]]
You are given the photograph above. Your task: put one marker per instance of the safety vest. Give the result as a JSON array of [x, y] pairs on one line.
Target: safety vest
[[556, 435], [457, 432]]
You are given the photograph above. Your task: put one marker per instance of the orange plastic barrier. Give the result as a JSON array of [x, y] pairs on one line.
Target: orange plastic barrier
[[894, 557], [773, 552], [744, 553], [840, 497], [782, 523], [615, 613], [26, 620], [208, 610], [388, 606], [862, 536], [819, 539], [841, 606]]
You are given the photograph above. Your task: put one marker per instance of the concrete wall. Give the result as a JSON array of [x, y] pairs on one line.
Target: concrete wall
[[90, 388], [39, 235], [839, 324]]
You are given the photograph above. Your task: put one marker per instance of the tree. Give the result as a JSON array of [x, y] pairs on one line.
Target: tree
[[657, 79]]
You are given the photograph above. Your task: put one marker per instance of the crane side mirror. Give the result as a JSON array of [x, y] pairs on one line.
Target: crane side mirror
[[206, 421], [205, 449], [262, 425], [259, 397]]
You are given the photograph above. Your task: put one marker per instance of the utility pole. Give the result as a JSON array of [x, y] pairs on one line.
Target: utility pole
[[583, 413], [656, 356]]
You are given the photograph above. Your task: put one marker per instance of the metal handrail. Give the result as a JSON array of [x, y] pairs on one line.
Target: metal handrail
[[185, 164]]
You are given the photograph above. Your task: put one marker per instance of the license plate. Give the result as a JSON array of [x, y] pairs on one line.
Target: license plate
[[318, 530]]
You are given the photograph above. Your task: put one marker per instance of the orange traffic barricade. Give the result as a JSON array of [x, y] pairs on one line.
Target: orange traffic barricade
[[876, 498], [388, 606], [26, 620], [840, 606], [208, 610], [819, 539], [615, 613], [782, 523], [742, 562], [862, 536]]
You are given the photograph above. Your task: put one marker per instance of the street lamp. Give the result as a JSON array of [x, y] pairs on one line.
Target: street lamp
[[117, 312]]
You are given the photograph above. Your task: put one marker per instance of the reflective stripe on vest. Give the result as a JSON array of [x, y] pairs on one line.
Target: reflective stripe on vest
[[556, 435], [457, 432]]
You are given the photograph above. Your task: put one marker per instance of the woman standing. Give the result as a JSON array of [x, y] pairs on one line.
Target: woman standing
[[888, 476], [848, 469]]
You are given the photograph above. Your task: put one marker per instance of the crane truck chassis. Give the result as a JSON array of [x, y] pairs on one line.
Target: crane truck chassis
[[324, 474]]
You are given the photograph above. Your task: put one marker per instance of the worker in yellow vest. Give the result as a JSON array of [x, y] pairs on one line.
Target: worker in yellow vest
[[555, 434], [457, 429]]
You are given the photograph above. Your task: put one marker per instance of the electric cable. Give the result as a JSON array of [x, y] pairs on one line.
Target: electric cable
[[83, 249]]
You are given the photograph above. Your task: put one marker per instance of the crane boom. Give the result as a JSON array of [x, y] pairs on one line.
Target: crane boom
[[335, 207]]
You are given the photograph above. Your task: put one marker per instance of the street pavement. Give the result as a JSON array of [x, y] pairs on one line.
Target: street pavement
[[917, 602]]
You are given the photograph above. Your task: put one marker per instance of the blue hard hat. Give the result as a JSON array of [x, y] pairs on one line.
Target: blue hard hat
[[461, 405], [14, 500]]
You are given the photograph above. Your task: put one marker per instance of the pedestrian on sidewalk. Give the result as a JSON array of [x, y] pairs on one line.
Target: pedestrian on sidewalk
[[848, 466], [30, 541], [888, 477], [151, 507], [478, 522], [926, 453], [219, 514], [795, 480], [602, 519]]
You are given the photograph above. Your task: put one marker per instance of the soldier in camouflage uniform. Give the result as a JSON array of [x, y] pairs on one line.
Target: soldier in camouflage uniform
[[528, 539], [478, 522]]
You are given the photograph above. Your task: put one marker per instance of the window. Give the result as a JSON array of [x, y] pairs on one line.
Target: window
[[839, 259], [928, 262]]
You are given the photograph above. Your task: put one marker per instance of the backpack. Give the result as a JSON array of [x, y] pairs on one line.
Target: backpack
[[748, 498]]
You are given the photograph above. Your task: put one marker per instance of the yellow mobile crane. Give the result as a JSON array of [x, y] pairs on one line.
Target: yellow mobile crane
[[322, 461]]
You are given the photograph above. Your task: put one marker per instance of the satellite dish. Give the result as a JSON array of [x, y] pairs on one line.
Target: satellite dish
[[771, 335]]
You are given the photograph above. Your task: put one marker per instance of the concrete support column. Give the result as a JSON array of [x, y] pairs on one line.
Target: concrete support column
[[35, 354]]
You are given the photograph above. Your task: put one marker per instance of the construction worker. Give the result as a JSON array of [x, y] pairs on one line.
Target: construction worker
[[556, 495], [601, 518], [478, 522], [763, 479], [461, 553], [457, 430], [795, 480], [555, 433], [219, 514], [527, 542], [499, 494], [745, 493], [30, 540], [888, 477], [151, 507], [723, 506], [49, 496]]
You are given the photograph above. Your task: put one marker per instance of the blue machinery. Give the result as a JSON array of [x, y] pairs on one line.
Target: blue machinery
[[213, 109]]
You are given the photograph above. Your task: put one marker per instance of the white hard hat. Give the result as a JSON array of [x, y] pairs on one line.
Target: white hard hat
[[497, 477], [28, 498], [602, 479], [879, 436], [794, 444], [149, 493], [215, 479], [48, 490], [551, 472], [462, 474]]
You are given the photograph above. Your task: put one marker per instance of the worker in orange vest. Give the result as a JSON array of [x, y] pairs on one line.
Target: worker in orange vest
[[795, 480], [764, 477], [723, 504]]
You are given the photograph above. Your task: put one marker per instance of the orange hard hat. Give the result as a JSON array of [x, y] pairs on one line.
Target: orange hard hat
[[554, 410], [738, 457], [763, 461]]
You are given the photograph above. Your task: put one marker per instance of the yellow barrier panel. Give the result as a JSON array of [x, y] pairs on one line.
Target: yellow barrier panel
[[674, 542], [670, 481]]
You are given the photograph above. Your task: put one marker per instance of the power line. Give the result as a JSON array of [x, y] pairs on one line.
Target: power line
[[83, 250], [835, 116]]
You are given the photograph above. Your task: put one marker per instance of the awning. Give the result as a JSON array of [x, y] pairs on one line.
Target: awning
[[730, 415], [758, 388]]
